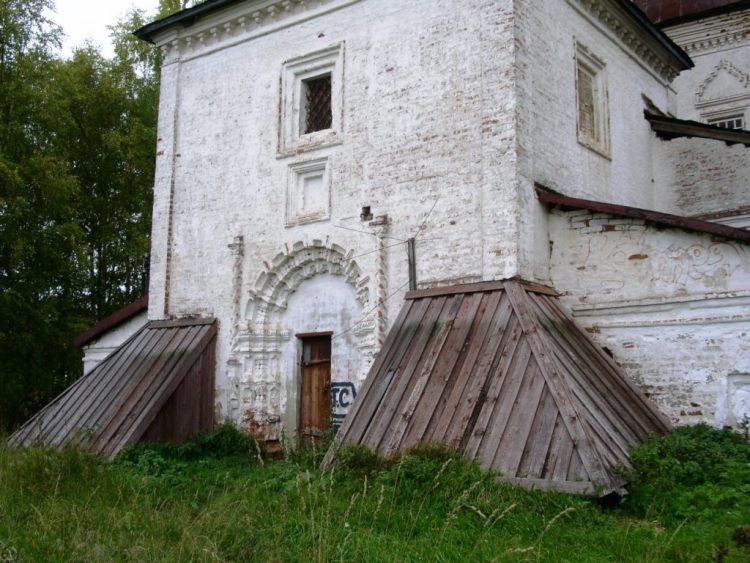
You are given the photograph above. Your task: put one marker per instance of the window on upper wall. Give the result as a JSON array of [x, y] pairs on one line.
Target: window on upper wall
[[316, 100], [591, 101], [723, 97], [730, 122], [312, 101]]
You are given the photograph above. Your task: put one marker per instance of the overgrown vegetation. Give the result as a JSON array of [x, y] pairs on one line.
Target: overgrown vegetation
[[697, 472], [77, 154], [216, 499]]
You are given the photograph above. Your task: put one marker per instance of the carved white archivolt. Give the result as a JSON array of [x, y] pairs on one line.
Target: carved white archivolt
[[255, 365]]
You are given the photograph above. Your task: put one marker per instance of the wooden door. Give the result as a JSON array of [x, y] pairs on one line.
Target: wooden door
[[315, 398]]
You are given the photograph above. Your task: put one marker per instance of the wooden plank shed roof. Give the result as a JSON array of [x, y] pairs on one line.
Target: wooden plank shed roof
[[501, 372], [123, 398]]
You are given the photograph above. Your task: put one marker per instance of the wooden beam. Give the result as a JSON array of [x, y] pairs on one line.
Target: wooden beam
[[476, 288]]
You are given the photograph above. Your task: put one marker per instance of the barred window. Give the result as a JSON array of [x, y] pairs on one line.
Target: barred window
[[312, 101], [317, 95]]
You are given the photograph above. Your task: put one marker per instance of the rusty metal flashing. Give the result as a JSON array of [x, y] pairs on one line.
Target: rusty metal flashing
[[115, 319], [671, 128], [550, 197], [743, 210]]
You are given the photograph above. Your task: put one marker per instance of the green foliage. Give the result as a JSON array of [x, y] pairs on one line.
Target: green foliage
[[213, 500], [695, 472], [357, 458], [77, 144], [307, 454], [40, 472], [225, 441]]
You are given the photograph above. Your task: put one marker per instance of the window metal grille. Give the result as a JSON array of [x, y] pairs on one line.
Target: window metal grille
[[318, 115]]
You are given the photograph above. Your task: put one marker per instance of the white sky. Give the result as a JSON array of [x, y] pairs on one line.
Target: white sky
[[88, 19]]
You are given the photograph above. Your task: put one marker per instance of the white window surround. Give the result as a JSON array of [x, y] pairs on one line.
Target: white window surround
[[291, 123], [729, 122], [592, 105], [717, 116], [308, 196]]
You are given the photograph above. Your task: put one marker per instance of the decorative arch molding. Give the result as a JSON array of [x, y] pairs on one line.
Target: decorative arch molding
[[290, 268], [724, 65], [255, 369]]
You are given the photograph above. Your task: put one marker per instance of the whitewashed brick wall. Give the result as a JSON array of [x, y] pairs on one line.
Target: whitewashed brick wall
[[549, 152], [698, 176], [97, 350], [451, 112], [428, 124], [701, 176], [673, 307]]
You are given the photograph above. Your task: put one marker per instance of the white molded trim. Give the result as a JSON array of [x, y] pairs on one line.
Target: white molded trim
[[238, 24], [324, 61], [708, 35], [630, 37], [586, 61], [298, 212]]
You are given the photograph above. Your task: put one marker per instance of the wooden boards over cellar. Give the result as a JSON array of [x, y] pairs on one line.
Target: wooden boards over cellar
[[501, 372], [158, 386]]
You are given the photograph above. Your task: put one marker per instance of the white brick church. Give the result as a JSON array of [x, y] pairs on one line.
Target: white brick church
[[317, 159]]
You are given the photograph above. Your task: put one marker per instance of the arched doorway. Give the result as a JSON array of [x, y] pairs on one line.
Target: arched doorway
[[312, 289]]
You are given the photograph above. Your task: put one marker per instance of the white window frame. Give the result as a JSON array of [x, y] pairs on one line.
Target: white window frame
[[711, 117], [596, 68], [296, 214], [292, 139]]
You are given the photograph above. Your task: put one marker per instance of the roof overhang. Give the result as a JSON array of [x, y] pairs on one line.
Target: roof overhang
[[671, 128], [184, 18], [680, 57], [115, 319], [669, 14], [665, 54], [631, 29], [552, 197]]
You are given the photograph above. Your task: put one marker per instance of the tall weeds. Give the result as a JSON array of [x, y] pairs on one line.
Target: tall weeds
[[221, 503]]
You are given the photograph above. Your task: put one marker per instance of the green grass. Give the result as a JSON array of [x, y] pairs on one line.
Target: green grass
[[217, 499]]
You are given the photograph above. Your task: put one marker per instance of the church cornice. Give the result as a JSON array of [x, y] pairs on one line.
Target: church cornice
[[722, 32], [636, 33], [230, 23]]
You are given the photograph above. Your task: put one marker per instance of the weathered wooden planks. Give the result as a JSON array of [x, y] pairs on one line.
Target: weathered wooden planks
[[501, 373], [159, 385]]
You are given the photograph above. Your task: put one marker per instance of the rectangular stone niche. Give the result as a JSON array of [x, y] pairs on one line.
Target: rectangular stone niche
[[309, 192]]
